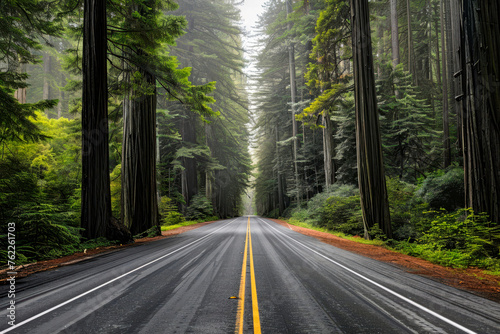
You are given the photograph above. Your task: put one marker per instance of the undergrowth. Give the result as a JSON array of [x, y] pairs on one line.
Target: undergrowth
[[457, 238]]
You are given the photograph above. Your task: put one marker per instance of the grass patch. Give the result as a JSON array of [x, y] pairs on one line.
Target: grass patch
[[172, 227]]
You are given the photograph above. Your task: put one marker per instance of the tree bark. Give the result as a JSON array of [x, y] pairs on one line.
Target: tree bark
[[328, 150], [411, 62], [139, 192], [371, 175], [189, 176], [281, 191], [456, 53], [96, 197], [481, 105], [47, 68], [20, 93], [446, 125], [394, 33]]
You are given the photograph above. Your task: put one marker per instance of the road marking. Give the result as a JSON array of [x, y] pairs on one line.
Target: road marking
[[241, 303], [423, 308], [109, 282], [255, 302]]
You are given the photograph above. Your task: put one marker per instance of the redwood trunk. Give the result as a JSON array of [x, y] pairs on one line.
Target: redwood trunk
[[371, 175], [139, 193], [96, 197], [481, 105]]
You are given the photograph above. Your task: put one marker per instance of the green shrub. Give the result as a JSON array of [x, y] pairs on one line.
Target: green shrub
[[315, 207], [407, 218], [173, 218], [465, 231], [444, 190], [199, 209], [343, 214]]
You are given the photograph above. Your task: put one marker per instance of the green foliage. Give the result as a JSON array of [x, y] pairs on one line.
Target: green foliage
[[173, 227], [343, 214], [345, 138], [464, 231], [116, 190], [43, 231], [23, 23], [173, 218], [200, 209], [444, 189], [168, 212], [38, 182], [408, 135], [407, 217], [339, 210]]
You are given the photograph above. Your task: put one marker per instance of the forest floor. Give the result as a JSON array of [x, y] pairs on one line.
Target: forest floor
[[470, 279]]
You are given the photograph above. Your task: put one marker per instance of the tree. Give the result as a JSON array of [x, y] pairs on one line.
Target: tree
[[394, 33], [446, 125], [371, 176], [23, 24], [293, 92], [96, 196], [327, 72], [213, 152], [480, 104]]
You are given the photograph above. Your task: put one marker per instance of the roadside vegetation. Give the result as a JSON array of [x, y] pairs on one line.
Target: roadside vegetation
[[428, 221]]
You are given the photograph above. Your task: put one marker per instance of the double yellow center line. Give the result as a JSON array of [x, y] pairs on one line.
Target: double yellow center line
[[241, 301]]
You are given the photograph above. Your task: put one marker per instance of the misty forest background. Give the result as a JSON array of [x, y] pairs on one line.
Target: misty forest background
[[366, 118]]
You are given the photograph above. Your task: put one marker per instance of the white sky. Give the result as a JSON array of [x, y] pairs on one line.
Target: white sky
[[250, 9]]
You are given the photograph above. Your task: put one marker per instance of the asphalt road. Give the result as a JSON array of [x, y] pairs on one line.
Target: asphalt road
[[203, 281]]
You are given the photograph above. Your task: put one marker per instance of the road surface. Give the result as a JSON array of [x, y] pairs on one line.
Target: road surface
[[247, 275]]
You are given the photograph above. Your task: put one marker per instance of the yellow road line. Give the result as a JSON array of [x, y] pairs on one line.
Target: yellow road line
[[241, 301], [255, 303]]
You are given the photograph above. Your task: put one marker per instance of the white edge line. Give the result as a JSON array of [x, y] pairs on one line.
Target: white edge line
[[108, 282], [423, 308]]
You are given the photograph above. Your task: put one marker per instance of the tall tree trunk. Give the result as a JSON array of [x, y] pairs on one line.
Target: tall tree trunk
[[209, 174], [293, 89], [281, 192], [394, 41], [481, 109], [371, 175], [189, 176], [411, 61], [96, 197], [328, 150], [456, 53], [449, 57], [47, 68], [60, 106], [20, 93], [438, 56], [394, 33], [139, 193], [446, 125], [431, 76]]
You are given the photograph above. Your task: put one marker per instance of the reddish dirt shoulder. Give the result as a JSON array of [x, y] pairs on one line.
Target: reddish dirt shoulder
[[471, 279], [31, 268]]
